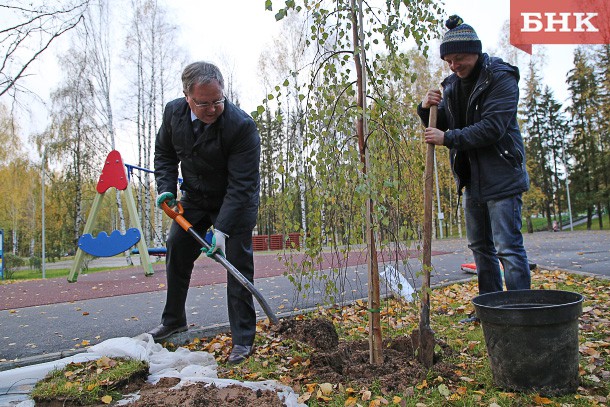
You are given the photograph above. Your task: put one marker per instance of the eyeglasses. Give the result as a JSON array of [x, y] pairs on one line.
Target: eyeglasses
[[205, 105]]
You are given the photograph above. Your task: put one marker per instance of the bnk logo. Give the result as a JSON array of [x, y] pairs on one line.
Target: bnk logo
[[559, 22], [562, 22]]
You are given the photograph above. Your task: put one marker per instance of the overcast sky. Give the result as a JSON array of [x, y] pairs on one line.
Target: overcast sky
[[247, 29], [235, 32]]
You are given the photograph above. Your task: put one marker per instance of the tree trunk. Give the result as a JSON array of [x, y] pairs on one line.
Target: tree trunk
[[530, 225], [375, 336]]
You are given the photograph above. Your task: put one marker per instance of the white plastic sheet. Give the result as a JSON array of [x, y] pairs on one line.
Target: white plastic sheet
[[189, 367], [397, 283]]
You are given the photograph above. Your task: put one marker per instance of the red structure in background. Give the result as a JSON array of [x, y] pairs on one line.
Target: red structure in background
[[276, 242], [260, 243]]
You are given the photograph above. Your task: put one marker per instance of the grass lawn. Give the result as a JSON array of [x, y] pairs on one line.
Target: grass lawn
[[290, 362], [460, 377], [29, 274], [594, 225]]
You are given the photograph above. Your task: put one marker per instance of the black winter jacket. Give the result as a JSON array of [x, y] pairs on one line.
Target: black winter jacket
[[490, 147], [220, 170]]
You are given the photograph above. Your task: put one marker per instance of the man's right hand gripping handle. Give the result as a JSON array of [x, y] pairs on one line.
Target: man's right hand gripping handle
[[166, 197]]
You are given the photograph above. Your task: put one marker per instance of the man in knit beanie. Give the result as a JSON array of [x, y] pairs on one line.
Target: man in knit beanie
[[477, 121]]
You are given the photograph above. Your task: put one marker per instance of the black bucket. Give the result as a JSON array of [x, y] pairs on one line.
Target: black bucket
[[532, 339]]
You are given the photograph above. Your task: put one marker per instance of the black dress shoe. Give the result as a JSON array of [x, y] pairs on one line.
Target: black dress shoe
[[239, 353], [162, 331]]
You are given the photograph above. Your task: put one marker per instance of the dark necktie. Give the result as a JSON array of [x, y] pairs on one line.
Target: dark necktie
[[198, 127]]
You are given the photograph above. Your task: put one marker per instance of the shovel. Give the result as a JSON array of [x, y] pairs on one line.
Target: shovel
[[426, 334], [185, 224]]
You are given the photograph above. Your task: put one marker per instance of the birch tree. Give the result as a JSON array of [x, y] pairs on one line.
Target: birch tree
[[344, 66], [27, 31], [157, 62]]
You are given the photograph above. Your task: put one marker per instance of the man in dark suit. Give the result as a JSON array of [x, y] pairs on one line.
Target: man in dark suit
[[217, 147]]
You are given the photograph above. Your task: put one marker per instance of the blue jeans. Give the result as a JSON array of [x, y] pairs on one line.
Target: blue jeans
[[494, 235]]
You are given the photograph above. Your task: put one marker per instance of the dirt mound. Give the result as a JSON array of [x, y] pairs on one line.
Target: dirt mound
[[349, 361], [331, 360], [319, 333], [201, 395]]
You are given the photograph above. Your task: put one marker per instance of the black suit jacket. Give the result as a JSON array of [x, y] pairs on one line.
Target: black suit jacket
[[220, 168]]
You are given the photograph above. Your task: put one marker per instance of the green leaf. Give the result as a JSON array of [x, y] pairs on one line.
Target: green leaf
[[444, 390], [268, 5], [280, 15]]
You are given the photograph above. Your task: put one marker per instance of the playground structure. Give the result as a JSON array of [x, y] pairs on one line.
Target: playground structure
[[117, 174], [104, 245]]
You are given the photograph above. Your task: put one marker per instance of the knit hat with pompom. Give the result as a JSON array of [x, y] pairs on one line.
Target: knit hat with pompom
[[460, 39]]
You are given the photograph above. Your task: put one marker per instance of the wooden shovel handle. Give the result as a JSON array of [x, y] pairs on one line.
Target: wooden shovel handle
[[428, 185]]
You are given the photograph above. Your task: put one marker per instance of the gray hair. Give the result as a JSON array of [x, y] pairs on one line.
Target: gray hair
[[200, 72]]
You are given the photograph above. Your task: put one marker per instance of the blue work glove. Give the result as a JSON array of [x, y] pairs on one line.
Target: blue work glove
[[166, 197], [218, 244]]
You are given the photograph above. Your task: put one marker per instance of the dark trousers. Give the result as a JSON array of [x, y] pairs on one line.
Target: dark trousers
[[183, 250]]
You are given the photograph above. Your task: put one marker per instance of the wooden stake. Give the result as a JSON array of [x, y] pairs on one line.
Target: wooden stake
[[426, 334]]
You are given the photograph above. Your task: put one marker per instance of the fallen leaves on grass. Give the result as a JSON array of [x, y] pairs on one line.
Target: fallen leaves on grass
[[87, 383], [290, 362]]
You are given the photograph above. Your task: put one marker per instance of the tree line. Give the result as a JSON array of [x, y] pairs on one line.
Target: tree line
[[312, 178]]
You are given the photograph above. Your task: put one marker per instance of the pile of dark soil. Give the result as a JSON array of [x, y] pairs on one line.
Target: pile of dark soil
[[332, 361], [348, 362]]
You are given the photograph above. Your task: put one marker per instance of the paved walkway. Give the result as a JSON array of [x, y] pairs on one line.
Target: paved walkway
[[46, 319]]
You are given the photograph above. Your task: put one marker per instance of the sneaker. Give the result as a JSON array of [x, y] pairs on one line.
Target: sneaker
[[471, 319]]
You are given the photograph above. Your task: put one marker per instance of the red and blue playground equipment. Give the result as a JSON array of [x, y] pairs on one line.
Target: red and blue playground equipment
[[104, 245]]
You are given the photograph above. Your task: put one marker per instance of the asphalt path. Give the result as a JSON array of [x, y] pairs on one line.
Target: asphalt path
[[47, 319]]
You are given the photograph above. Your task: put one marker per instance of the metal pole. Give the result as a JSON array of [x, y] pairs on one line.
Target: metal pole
[[563, 150], [42, 183], [569, 205]]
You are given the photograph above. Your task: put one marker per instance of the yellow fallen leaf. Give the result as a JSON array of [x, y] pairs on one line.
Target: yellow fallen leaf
[[304, 397], [423, 385], [454, 397], [542, 400], [396, 400], [351, 401], [322, 397], [326, 388], [107, 399]]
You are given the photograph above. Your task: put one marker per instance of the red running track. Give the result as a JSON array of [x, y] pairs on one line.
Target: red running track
[[131, 280]]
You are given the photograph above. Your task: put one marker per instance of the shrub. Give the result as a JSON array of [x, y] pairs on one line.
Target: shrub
[[11, 264]]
